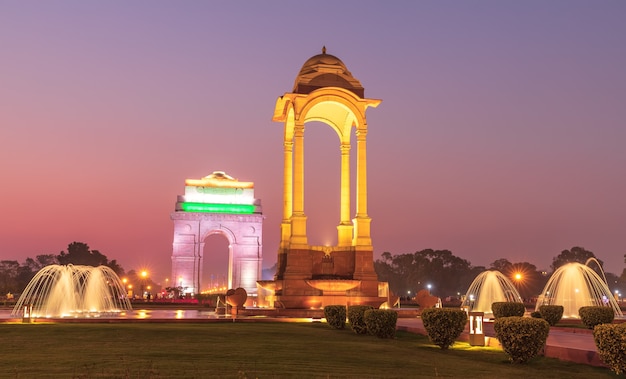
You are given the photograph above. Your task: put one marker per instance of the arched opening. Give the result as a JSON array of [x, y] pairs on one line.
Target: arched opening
[[322, 170], [215, 263]]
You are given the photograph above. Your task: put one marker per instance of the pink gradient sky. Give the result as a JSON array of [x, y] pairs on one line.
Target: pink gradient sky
[[501, 133]]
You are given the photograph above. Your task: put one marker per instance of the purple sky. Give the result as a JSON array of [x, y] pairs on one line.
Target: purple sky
[[501, 133]]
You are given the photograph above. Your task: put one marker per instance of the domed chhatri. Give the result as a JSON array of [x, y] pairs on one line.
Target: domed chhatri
[[326, 70], [308, 275]]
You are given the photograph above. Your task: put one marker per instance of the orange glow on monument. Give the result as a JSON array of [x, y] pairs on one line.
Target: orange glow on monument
[[315, 276]]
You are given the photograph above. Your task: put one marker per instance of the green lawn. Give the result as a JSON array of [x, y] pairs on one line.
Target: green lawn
[[250, 350]]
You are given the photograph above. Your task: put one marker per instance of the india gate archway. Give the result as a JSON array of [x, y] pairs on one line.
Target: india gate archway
[[311, 276], [217, 204]]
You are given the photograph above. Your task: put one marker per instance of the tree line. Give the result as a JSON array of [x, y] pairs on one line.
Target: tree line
[[14, 277], [447, 275], [439, 270]]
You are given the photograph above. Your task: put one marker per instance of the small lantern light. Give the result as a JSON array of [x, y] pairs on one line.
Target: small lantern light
[[476, 334], [26, 316]]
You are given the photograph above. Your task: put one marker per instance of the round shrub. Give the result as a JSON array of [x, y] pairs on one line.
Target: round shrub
[[507, 309], [335, 316], [551, 313], [355, 316], [522, 338], [381, 322], [535, 314], [610, 340], [444, 325], [594, 315]]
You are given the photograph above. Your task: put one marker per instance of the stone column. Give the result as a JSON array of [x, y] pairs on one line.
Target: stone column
[[344, 230], [287, 195], [362, 220], [298, 218]]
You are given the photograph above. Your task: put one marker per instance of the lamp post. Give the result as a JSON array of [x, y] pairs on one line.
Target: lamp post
[[518, 279], [144, 275], [476, 335]]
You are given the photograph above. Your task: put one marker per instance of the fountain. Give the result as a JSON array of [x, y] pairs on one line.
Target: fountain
[[73, 291], [487, 288], [576, 285]]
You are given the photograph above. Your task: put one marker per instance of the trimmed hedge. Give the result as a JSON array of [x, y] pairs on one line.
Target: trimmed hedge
[[551, 313], [595, 315], [355, 317], [522, 338], [507, 309], [335, 316], [444, 325], [381, 322], [610, 340]]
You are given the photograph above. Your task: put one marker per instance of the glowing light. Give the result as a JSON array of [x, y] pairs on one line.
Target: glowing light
[[518, 276], [218, 208], [219, 179]]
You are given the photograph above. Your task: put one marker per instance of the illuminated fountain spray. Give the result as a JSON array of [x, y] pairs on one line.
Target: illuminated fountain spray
[[576, 285], [489, 287], [73, 291]]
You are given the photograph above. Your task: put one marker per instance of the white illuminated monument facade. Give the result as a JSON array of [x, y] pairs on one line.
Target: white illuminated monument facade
[[217, 204]]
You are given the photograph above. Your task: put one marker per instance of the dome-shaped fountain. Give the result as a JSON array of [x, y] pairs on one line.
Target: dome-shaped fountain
[[487, 288], [73, 291], [576, 285]]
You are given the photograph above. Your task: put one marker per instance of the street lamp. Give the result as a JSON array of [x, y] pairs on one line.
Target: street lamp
[[144, 275]]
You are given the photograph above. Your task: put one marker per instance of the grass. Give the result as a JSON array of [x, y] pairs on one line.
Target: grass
[[250, 350]]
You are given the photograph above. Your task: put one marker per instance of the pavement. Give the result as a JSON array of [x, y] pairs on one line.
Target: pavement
[[567, 344]]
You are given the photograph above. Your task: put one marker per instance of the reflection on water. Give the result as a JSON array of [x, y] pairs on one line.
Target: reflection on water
[[146, 314]]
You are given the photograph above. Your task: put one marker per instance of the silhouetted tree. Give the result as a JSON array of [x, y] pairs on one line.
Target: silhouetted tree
[[447, 274], [40, 261], [78, 253], [503, 265], [575, 254], [9, 271]]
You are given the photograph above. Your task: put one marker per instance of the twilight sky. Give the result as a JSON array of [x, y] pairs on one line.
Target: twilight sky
[[501, 133]]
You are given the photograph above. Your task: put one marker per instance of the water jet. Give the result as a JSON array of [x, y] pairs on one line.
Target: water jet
[[575, 285], [487, 288], [73, 291]]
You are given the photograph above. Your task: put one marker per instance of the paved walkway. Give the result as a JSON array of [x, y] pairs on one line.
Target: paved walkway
[[575, 345]]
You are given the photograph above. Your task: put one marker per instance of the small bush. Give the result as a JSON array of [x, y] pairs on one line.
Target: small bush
[[444, 325], [611, 343], [592, 316], [355, 316], [535, 314], [521, 338], [381, 322], [335, 316], [551, 313], [507, 309]]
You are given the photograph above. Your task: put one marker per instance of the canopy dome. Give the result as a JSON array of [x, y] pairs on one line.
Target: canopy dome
[[326, 70]]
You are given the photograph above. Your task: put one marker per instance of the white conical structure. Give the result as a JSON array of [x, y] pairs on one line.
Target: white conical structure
[[575, 285]]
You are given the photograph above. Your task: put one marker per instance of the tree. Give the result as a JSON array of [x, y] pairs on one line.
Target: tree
[[9, 271], [78, 253], [575, 254], [446, 273], [503, 265], [40, 262]]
